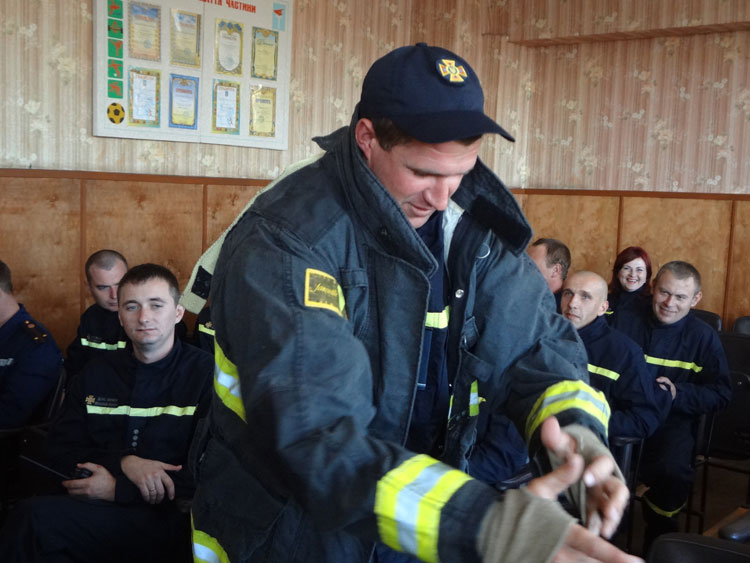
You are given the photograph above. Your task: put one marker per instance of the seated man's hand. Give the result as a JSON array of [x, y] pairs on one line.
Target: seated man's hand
[[666, 384], [150, 476], [100, 485], [606, 494]]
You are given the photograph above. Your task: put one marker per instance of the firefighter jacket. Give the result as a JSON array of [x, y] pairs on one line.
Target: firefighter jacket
[[622, 302], [618, 369], [690, 354], [30, 364], [99, 334], [119, 406], [319, 301]]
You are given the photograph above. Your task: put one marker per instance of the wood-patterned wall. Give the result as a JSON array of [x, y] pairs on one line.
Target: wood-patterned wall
[[51, 221]]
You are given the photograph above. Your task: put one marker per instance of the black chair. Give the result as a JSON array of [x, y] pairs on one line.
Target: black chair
[[737, 348], [694, 548], [708, 317], [742, 325], [701, 449], [730, 440], [627, 453]]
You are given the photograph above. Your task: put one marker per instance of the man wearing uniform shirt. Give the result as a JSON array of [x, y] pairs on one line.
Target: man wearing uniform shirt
[[30, 361], [128, 419], [685, 355], [616, 364], [366, 303], [99, 332]]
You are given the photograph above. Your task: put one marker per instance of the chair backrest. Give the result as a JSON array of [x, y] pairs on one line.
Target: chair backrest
[[742, 325], [709, 317], [730, 437], [737, 349], [695, 548]]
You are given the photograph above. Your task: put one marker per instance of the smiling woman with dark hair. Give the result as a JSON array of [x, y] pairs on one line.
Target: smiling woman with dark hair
[[630, 285]]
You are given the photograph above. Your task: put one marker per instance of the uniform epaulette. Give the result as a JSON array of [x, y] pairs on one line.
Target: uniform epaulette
[[33, 330]]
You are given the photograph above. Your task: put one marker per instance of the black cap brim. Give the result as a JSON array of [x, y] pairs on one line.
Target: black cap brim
[[449, 126]]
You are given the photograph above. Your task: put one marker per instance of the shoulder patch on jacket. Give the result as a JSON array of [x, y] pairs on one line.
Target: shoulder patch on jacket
[[323, 291], [33, 330]]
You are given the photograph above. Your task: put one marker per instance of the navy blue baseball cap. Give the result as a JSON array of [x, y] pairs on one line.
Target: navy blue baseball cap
[[430, 93]]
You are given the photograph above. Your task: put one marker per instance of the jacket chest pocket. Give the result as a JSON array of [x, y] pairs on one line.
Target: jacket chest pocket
[[356, 290]]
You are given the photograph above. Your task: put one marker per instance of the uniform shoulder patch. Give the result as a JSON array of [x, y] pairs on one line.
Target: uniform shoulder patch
[[324, 292], [33, 330]]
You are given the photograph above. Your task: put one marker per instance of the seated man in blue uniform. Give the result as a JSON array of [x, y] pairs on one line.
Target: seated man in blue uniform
[[99, 331], [685, 355], [30, 361], [616, 364], [128, 420], [552, 257], [366, 307]]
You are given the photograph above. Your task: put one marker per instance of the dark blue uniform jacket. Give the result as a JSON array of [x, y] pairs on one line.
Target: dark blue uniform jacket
[[617, 368], [30, 363]]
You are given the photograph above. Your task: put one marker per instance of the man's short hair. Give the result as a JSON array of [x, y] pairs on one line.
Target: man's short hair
[[6, 284], [145, 272], [557, 253], [104, 259], [390, 135], [680, 270]]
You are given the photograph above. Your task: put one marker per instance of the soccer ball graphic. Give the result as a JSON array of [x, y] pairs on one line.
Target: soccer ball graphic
[[115, 113]]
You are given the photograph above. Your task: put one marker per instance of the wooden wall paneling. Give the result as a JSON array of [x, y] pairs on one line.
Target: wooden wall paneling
[[738, 286], [694, 230], [587, 225], [147, 222], [223, 204], [39, 240]]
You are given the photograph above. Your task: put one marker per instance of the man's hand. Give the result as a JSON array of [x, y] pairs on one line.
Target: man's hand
[[606, 495], [101, 484], [582, 544], [150, 476], [666, 384]]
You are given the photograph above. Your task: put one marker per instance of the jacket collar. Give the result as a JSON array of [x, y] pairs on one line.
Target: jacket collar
[[595, 329]]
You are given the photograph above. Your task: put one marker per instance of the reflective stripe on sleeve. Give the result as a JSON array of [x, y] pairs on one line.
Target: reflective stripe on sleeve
[[603, 371], [204, 328], [408, 502], [227, 383], [567, 395], [150, 412], [438, 320], [119, 345], [692, 366], [206, 549]]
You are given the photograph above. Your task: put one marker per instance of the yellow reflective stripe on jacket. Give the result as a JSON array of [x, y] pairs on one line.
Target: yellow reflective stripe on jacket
[[408, 502], [568, 395], [673, 363], [227, 382], [103, 345], [206, 549], [127, 410], [603, 371], [438, 320], [661, 511], [474, 399], [204, 328]]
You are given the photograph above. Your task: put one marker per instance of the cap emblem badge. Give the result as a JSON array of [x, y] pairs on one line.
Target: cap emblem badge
[[450, 71]]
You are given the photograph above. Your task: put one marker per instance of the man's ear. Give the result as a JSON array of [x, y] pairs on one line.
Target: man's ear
[[603, 308], [180, 311], [697, 297], [557, 271], [364, 134]]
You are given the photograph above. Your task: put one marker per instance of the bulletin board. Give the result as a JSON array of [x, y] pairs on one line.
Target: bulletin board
[[196, 71]]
